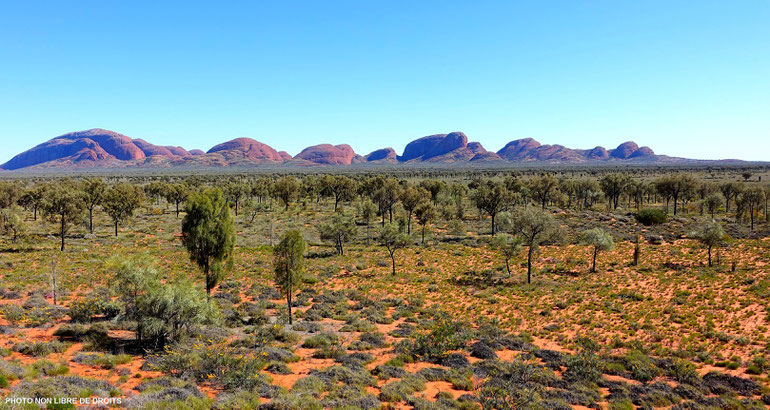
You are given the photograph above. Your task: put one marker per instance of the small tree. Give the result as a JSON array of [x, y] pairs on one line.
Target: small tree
[[12, 222], [410, 198], [368, 212], [534, 227], [600, 240], [751, 200], [393, 239], [710, 234], [121, 201], [64, 206], [287, 189], [339, 230], [289, 265], [208, 233], [234, 192], [425, 213], [509, 246], [33, 198], [712, 202], [93, 192], [492, 198], [176, 194]]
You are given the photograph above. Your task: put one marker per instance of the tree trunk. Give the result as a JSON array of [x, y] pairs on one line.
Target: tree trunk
[[593, 266], [423, 233], [508, 266], [288, 303], [709, 255], [177, 209], [529, 265], [409, 222], [116, 228], [62, 233], [493, 224], [393, 262]]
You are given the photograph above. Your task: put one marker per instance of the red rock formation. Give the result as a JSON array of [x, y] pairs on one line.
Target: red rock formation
[[328, 154], [518, 150], [624, 150], [383, 154], [433, 146], [251, 148]]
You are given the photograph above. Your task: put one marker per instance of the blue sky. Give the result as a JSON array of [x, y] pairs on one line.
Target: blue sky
[[686, 78]]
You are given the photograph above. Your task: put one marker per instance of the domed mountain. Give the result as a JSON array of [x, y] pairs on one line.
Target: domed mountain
[[383, 154], [328, 154], [435, 145], [248, 148]]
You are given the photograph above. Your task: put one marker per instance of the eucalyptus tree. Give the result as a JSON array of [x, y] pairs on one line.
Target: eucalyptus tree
[[120, 202], [711, 235], [543, 189], [393, 239], [410, 197], [425, 213], [599, 240], [64, 205], [340, 229], [33, 197], [491, 197], [534, 227]]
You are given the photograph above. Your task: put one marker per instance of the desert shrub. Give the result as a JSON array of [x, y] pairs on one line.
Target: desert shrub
[[445, 335], [320, 340], [10, 371], [400, 390], [640, 366], [584, 367], [350, 397], [96, 305], [368, 341], [105, 361], [49, 368], [40, 348], [649, 217], [64, 386], [215, 364]]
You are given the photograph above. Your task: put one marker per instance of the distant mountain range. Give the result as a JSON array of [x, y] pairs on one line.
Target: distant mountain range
[[100, 148]]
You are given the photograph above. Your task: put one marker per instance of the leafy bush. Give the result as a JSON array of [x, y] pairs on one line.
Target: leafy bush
[[105, 361], [649, 217], [445, 335], [40, 348], [94, 306]]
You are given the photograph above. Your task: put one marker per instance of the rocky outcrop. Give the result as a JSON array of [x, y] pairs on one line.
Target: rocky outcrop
[[284, 155], [328, 154], [249, 148], [624, 150], [643, 152], [518, 150], [598, 153], [383, 154], [104, 148], [433, 146]]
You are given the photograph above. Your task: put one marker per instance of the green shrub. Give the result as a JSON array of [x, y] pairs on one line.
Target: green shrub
[[649, 217], [40, 348]]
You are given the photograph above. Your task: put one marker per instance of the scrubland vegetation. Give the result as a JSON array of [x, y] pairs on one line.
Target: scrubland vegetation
[[424, 289]]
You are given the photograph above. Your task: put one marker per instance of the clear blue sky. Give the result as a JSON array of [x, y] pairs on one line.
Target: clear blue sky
[[688, 78]]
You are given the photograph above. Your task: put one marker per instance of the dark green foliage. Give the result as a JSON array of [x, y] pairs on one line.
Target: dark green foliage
[[650, 217], [208, 233]]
